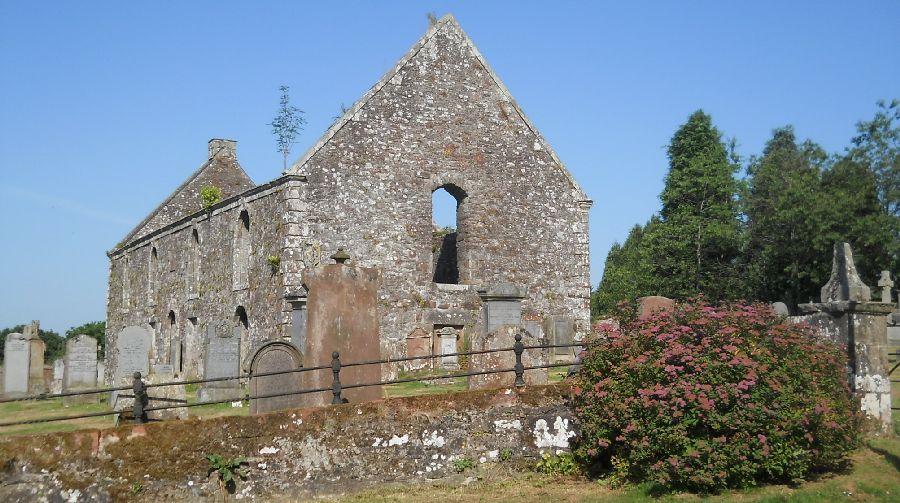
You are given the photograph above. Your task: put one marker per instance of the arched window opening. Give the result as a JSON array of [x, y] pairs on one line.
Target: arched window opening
[[241, 330], [242, 252], [152, 274], [240, 318], [126, 282], [172, 342], [446, 236], [193, 278]]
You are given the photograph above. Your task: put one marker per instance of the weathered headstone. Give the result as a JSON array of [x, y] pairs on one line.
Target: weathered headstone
[[59, 371], [561, 330], [132, 352], [273, 357], [504, 337], [418, 343], [36, 382], [223, 359], [885, 283], [101, 372], [449, 338], [17, 358], [502, 305], [343, 317], [649, 305], [844, 283], [81, 368], [781, 309]]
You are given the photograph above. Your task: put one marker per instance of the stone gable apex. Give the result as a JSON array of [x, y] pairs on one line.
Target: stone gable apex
[[446, 24], [221, 169]]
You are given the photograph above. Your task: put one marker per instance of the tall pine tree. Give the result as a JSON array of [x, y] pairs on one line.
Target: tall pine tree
[[696, 245], [782, 221], [627, 273]]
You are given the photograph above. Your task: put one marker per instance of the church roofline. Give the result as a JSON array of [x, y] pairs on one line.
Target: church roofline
[[127, 239], [448, 19]]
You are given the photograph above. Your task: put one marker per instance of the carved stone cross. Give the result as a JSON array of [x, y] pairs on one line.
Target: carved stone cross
[[885, 283]]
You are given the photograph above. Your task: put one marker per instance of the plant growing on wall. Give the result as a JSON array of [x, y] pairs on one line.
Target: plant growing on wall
[[226, 469], [210, 195], [274, 262], [287, 124]]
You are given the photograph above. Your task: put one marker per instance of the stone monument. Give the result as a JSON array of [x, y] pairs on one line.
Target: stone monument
[[649, 305], [17, 358], [504, 337], [80, 368], [223, 359], [132, 352], [886, 284], [846, 316], [343, 317], [272, 357]]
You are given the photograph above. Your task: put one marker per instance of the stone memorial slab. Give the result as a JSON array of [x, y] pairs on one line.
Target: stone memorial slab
[[844, 283], [17, 358], [342, 316], [649, 305], [59, 369], [781, 309], [418, 343], [561, 330], [223, 359], [886, 284], [449, 338], [133, 352], [80, 368], [101, 372], [504, 337], [272, 357], [502, 305]]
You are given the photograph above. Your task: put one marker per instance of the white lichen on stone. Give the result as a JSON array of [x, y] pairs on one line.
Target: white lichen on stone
[[505, 424], [544, 438], [395, 440], [434, 440], [377, 441], [269, 450]]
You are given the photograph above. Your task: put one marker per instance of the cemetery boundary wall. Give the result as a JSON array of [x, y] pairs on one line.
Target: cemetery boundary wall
[[294, 453]]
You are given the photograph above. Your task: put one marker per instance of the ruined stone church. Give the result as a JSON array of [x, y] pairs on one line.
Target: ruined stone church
[[439, 119]]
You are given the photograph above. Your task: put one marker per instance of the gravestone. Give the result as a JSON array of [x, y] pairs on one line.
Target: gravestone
[[272, 357], [449, 337], [561, 330], [342, 316], [36, 381], [781, 309], [844, 283], [502, 305], [885, 283], [80, 368], [223, 359], [500, 338], [59, 371], [17, 358], [649, 305], [132, 352], [418, 343], [101, 372]]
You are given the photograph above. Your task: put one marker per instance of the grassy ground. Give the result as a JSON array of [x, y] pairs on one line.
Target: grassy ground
[[875, 477]]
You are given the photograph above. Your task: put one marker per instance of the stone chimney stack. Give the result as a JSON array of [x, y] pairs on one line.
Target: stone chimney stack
[[227, 148]]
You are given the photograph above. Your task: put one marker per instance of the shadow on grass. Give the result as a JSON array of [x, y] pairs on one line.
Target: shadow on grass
[[889, 456]]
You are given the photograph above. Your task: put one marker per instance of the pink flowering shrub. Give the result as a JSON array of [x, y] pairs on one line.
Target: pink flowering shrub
[[706, 398]]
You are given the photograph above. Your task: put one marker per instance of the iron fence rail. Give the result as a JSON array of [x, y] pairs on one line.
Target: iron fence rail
[[336, 388]]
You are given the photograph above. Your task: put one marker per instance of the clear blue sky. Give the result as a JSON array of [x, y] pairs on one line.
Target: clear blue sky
[[105, 107]]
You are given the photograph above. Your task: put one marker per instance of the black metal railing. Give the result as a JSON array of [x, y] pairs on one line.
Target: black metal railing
[[141, 397]]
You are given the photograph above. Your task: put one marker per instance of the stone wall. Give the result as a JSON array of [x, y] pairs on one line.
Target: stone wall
[[292, 454], [205, 296], [441, 119]]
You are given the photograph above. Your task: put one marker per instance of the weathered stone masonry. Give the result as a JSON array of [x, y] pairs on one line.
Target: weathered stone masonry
[[439, 119]]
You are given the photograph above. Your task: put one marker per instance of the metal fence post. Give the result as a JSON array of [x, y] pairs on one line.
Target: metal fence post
[[336, 384], [140, 398], [519, 348]]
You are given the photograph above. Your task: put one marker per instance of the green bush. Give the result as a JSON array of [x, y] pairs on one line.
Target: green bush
[[706, 398]]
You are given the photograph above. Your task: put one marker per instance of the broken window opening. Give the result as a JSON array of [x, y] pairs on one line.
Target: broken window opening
[[446, 201]]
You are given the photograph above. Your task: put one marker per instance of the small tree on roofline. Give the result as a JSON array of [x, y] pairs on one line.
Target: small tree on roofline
[[287, 124]]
